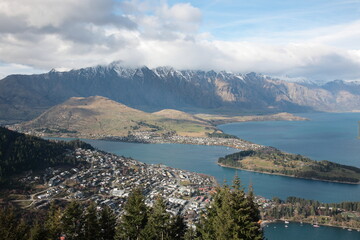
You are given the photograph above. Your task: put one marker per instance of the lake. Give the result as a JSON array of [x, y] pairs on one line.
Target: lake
[[297, 231], [203, 159], [326, 136]]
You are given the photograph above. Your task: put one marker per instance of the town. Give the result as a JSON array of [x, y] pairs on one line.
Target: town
[[107, 179], [151, 137]]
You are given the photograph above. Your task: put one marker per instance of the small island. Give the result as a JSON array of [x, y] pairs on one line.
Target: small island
[[273, 161]]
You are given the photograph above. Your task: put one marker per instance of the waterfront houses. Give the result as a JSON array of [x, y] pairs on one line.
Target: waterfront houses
[[107, 179]]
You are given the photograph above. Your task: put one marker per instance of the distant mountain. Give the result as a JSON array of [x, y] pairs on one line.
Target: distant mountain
[[337, 86], [97, 117], [23, 97]]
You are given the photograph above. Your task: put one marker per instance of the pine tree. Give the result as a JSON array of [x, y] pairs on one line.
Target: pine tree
[[107, 224], [161, 225], [191, 234], [8, 223], [10, 227], [91, 228], [158, 225], [135, 217], [178, 227], [38, 232], [53, 222], [207, 228], [72, 221], [224, 220], [253, 227], [22, 231], [231, 215]]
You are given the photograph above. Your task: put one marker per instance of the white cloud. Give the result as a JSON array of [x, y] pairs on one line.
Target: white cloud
[[8, 69], [71, 34], [182, 17]]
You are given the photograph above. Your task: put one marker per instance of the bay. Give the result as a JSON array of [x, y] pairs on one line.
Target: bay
[[202, 159], [297, 231], [326, 136]]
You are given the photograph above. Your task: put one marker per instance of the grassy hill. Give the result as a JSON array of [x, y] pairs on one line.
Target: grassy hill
[[99, 117], [96, 116]]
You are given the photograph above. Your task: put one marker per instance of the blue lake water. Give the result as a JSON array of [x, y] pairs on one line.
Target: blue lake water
[[297, 231], [203, 159], [326, 136]]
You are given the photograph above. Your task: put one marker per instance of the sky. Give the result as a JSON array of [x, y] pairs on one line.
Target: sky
[[317, 40]]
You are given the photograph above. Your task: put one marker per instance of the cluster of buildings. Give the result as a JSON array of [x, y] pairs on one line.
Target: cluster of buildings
[[151, 137], [108, 179]]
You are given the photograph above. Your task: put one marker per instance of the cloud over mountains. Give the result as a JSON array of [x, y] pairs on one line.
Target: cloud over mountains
[[71, 34]]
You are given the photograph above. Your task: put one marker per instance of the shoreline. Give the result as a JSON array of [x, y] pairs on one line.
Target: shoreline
[[266, 222], [146, 137], [235, 143], [284, 175]]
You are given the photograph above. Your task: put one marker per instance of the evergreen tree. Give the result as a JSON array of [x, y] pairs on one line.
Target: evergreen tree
[[207, 228], [135, 217], [161, 225], [72, 221], [8, 223], [53, 222], [158, 225], [91, 228], [191, 234], [38, 232], [178, 227], [107, 224], [231, 215], [22, 231], [10, 227]]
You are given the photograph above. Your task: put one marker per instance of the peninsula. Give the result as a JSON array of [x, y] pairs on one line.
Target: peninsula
[[273, 161]]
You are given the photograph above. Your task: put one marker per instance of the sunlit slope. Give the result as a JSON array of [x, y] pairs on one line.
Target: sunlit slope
[[99, 116]]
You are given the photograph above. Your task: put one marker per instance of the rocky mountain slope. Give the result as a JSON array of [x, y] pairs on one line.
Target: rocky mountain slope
[[23, 97]]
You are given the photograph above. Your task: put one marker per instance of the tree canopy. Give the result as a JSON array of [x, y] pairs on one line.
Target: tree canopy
[[20, 152]]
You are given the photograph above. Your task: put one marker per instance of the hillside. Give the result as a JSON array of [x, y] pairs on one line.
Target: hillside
[[178, 115], [272, 160], [97, 117], [222, 119], [20, 152], [24, 97]]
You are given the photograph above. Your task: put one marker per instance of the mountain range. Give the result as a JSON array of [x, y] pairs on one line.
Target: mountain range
[[24, 97]]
